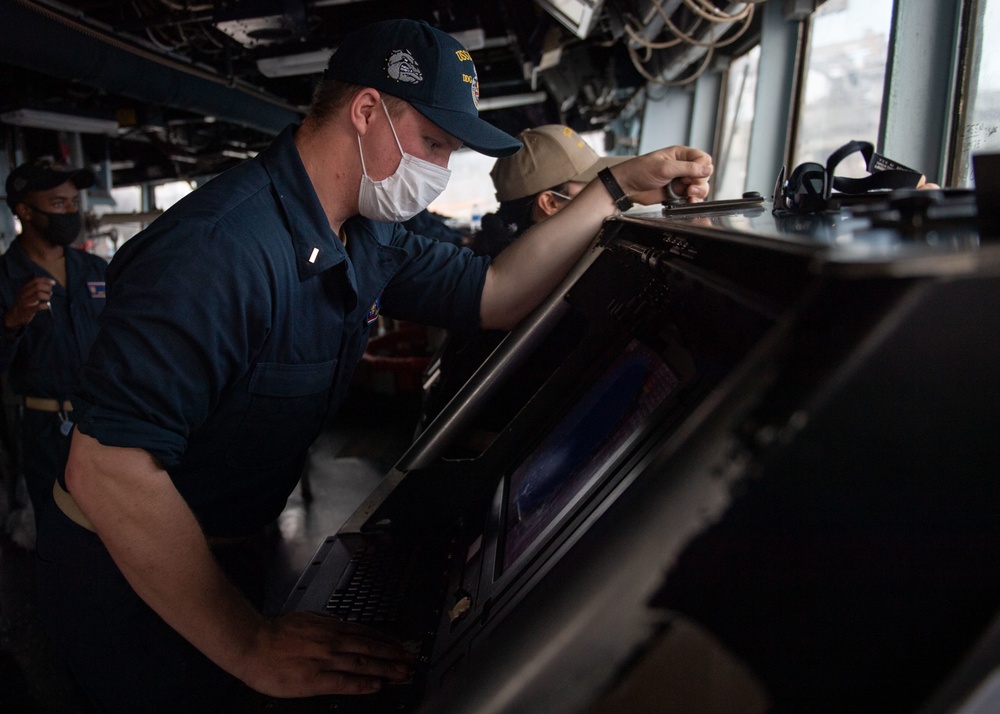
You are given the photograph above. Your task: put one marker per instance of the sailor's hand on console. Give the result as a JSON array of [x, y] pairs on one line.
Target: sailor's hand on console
[[649, 179], [305, 654]]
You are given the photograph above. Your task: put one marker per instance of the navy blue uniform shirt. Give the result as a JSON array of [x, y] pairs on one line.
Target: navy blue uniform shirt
[[234, 323], [44, 358]]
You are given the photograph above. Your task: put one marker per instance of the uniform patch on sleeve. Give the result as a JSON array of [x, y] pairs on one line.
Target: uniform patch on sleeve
[[96, 289], [374, 310]]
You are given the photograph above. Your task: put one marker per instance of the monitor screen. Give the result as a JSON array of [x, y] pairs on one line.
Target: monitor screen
[[595, 431]]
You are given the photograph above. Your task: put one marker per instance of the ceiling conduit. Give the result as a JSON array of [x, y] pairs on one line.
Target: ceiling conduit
[[39, 40]]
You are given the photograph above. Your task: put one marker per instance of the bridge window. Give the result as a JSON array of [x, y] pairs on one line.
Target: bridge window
[[167, 194], [981, 126], [734, 143], [844, 78]]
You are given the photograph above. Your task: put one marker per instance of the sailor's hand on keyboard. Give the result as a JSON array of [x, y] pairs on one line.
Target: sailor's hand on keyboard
[[308, 654]]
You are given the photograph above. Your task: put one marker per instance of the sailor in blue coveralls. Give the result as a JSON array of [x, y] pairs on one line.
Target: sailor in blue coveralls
[[50, 297], [233, 325]]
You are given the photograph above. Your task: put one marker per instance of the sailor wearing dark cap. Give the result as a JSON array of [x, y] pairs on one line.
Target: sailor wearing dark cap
[[50, 298], [233, 326]]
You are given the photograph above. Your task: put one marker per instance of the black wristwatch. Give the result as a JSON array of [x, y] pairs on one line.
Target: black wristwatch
[[620, 198]]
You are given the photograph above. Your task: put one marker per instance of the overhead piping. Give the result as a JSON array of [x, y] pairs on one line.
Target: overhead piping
[[77, 53]]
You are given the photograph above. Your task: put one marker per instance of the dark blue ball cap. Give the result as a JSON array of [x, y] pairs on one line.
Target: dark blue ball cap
[[429, 69], [41, 176]]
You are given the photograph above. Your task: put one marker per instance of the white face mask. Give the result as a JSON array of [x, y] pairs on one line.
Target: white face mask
[[406, 193]]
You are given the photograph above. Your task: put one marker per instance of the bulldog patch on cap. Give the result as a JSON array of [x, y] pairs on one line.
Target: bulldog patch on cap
[[403, 68], [426, 67]]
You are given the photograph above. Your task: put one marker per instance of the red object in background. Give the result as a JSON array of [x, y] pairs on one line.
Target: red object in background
[[395, 362]]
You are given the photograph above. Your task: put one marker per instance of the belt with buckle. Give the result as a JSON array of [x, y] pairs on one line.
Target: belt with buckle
[[44, 404], [69, 508]]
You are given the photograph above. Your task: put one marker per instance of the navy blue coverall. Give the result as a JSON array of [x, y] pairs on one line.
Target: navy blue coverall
[[234, 323], [44, 359]]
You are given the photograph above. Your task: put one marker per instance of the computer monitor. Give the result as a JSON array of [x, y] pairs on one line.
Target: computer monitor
[[582, 446]]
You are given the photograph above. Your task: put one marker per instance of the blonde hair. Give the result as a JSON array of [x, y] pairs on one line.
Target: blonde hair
[[331, 95]]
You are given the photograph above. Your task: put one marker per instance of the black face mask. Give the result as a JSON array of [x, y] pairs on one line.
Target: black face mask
[[62, 228]]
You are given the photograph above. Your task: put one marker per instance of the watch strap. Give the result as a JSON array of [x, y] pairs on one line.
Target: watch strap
[[620, 198]]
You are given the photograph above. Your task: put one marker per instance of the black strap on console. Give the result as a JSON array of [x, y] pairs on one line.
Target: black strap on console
[[810, 186], [884, 173]]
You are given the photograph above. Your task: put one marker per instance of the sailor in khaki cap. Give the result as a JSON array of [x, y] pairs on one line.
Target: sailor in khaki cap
[[554, 165], [533, 184]]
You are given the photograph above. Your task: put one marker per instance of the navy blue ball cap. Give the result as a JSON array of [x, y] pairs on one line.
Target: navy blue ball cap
[[426, 67], [41, 176]]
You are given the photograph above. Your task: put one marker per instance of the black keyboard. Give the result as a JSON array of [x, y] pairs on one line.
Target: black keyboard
[[391, 587], [375, 584]]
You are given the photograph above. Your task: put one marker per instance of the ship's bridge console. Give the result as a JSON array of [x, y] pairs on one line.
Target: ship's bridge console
[[741, 460]]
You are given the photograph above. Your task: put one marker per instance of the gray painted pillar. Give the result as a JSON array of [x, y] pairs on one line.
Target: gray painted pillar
[[773, 102], [705, 112], [920, 85], [666, 120], [7, 232], [12, 156], [77, 159]]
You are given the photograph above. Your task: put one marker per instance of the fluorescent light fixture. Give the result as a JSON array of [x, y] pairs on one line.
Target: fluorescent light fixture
[[291, 65], [316, 61], [106, 219], [474, 39], [579, 16], [490, 43], [39, 119], [511, 100], [231, 154]]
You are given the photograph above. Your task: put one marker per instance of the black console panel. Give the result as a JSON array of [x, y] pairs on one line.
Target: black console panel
[[739, 461]]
